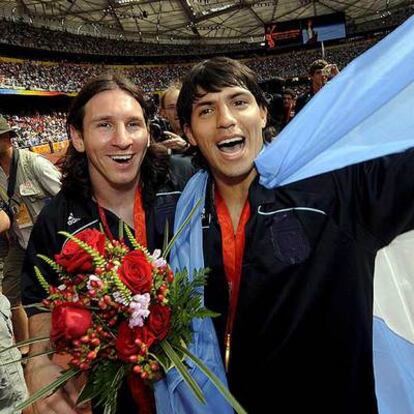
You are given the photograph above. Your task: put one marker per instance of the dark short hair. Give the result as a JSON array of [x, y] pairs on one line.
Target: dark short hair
[[75, 172], [213, 75], [316, 65], [288, 91]]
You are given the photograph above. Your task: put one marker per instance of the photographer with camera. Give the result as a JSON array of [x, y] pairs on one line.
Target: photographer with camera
[[170, 132]]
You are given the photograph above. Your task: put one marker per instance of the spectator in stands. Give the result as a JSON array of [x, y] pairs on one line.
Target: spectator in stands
[[69, 77], [27, 181], [36, 129], [320, 71], [168, 110], [289, 103]]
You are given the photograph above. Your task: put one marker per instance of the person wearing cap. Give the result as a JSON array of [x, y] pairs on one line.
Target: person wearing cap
[[27, 182], [320, 71]]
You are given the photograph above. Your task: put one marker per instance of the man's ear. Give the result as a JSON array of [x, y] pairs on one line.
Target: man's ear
[[263, 116], [189, 134], [77, 140]]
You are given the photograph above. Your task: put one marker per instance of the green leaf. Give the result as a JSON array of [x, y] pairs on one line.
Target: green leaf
[[180, 229], [166, 236], [120, 230], [110, 405], [131, 237], [184, 296], [56, 267], [182, 369], [41, 279], [214, 379], [38, 305], [103, 382], [206, 313], [27, 342], [48, 389]]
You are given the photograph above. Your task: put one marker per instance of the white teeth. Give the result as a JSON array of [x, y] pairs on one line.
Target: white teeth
[[121, 157], [230, 140]]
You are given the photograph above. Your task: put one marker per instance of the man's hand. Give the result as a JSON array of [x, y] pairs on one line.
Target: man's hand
[[332, 70], [175, 142], [41, 371]]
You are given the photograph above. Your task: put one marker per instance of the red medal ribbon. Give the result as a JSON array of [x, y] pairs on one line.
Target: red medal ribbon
[[139, 219], [233, 251], [142, 394]]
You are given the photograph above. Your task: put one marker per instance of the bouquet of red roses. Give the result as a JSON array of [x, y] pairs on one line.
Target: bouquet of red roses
[[121, 314]]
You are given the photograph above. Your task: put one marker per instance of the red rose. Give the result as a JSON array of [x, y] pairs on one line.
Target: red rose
[[125, 343], [73, 258], [69, 321], [136, 272], [159, 321]]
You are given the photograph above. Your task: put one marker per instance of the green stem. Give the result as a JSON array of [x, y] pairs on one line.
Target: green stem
[[182, 369], [29, 357], [214, 379], [27, 342], [46, 390], [38, 306], [180, 229]]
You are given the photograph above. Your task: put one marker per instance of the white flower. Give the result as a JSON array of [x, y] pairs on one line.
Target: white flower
[[158, 260], [156, 254], [139, 306]]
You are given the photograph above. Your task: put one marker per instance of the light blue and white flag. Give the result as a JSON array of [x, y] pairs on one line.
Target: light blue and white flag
[[365, 112]]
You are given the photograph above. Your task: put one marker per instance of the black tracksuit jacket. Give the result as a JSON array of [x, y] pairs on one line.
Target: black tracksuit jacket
[[302, 339]]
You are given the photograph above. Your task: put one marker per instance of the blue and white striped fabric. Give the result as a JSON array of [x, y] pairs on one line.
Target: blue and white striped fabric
[[363, 113]]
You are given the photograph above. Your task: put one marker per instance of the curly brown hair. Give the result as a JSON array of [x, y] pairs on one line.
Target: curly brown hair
[[75, 173]]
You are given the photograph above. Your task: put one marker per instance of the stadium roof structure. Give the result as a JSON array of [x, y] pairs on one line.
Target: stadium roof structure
[[189, 21]]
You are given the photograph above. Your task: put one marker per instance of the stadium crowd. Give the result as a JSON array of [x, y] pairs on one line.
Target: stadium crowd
[[69, 77], [37, 129]]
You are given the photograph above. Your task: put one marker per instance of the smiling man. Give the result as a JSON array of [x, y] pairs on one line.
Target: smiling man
[[291, 267], [112, 172], [225, 119]]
